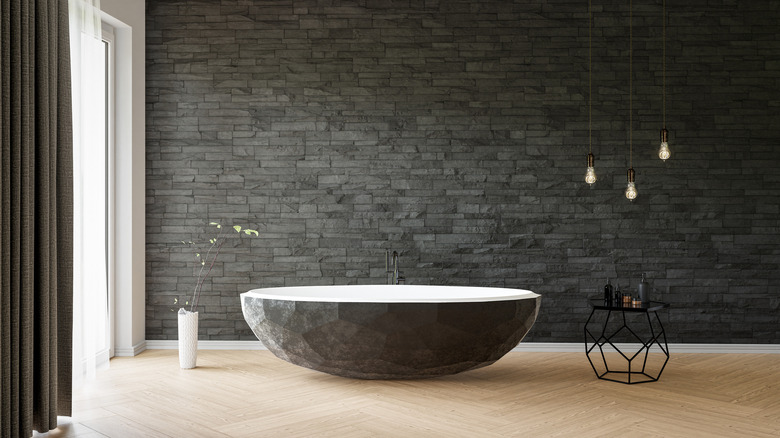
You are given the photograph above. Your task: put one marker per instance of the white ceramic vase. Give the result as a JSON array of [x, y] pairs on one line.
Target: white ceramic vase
[[188, 339]]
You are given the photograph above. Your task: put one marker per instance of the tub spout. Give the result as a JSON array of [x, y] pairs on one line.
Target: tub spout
[[395, 267], [394, 274]]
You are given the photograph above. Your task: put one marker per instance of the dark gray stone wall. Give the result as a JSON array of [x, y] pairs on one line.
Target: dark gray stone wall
[[456, 133]]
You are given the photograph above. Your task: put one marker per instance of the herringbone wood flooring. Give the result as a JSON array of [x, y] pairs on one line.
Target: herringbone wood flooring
[[253, 394]]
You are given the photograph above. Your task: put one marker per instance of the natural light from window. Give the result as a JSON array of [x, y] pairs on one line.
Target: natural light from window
[[91, 169]]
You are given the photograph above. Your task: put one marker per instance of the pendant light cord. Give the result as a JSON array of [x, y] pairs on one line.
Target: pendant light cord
[[630, 85], [590, 78], [663, 18]]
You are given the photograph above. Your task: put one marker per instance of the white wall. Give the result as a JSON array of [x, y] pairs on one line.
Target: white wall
[[128, 19]]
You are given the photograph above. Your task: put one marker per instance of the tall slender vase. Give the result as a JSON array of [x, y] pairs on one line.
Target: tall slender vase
[[188, 339], [644, 291]]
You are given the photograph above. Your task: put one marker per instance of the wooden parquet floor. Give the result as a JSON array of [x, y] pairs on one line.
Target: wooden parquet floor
[[253, 394]]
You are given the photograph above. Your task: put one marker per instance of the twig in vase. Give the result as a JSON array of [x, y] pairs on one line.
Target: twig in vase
[[217, 243]]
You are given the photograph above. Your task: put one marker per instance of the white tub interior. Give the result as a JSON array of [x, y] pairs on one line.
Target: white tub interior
[[391, 294]]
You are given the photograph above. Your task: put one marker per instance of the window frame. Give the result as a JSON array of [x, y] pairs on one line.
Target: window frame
[[109, 39]]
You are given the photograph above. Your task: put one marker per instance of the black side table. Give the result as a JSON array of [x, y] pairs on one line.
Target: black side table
[[657, 336]]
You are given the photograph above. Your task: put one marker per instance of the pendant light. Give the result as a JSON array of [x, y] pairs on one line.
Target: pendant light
[[663, 152], [590, 174], [631, 192]]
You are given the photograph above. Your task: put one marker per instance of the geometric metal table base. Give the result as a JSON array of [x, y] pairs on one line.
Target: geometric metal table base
[[635, 373]]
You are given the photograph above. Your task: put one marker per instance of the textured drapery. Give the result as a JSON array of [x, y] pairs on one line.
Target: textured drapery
[[36, 220]]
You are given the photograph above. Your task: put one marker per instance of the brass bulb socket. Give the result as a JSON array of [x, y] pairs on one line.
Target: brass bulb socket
[[590, 160], [664, 135], [631, 174]]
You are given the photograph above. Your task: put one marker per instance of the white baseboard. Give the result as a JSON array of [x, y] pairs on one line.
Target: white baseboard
[[208, 345], [726, 348], [576, 347], [549, 347], [135, 350]]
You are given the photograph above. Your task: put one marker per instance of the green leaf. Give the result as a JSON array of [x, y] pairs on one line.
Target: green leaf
[[175, 301], [216, 224], [237, 228], [212, 241], [197, 255], [203, 263], [250, 232]]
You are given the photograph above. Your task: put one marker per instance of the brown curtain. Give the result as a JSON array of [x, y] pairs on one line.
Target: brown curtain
[[36, 231]]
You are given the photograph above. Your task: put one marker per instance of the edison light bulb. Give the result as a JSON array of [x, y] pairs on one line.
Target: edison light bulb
[[590, 175], [664, 153], [631, 192]]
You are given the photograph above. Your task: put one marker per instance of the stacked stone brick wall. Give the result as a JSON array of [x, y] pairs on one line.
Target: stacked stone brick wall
[[456, 133]]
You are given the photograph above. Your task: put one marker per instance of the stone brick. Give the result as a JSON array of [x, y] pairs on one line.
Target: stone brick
[[456, 133]]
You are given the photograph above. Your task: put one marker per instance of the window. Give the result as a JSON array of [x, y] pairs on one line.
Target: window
[[93, 164]]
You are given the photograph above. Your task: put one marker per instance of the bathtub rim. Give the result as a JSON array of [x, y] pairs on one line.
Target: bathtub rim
[[390, 294]]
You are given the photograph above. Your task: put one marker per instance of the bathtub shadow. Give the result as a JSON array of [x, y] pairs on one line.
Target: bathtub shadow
[[504, 372]]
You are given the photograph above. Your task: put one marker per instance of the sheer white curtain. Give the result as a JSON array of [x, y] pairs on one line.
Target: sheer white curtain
[[90, 288]]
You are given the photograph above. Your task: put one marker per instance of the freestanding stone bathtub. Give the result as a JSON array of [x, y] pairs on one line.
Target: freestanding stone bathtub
[[390, 332]]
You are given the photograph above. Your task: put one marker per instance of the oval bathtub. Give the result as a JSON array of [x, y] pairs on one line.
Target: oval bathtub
[[390, 332]]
